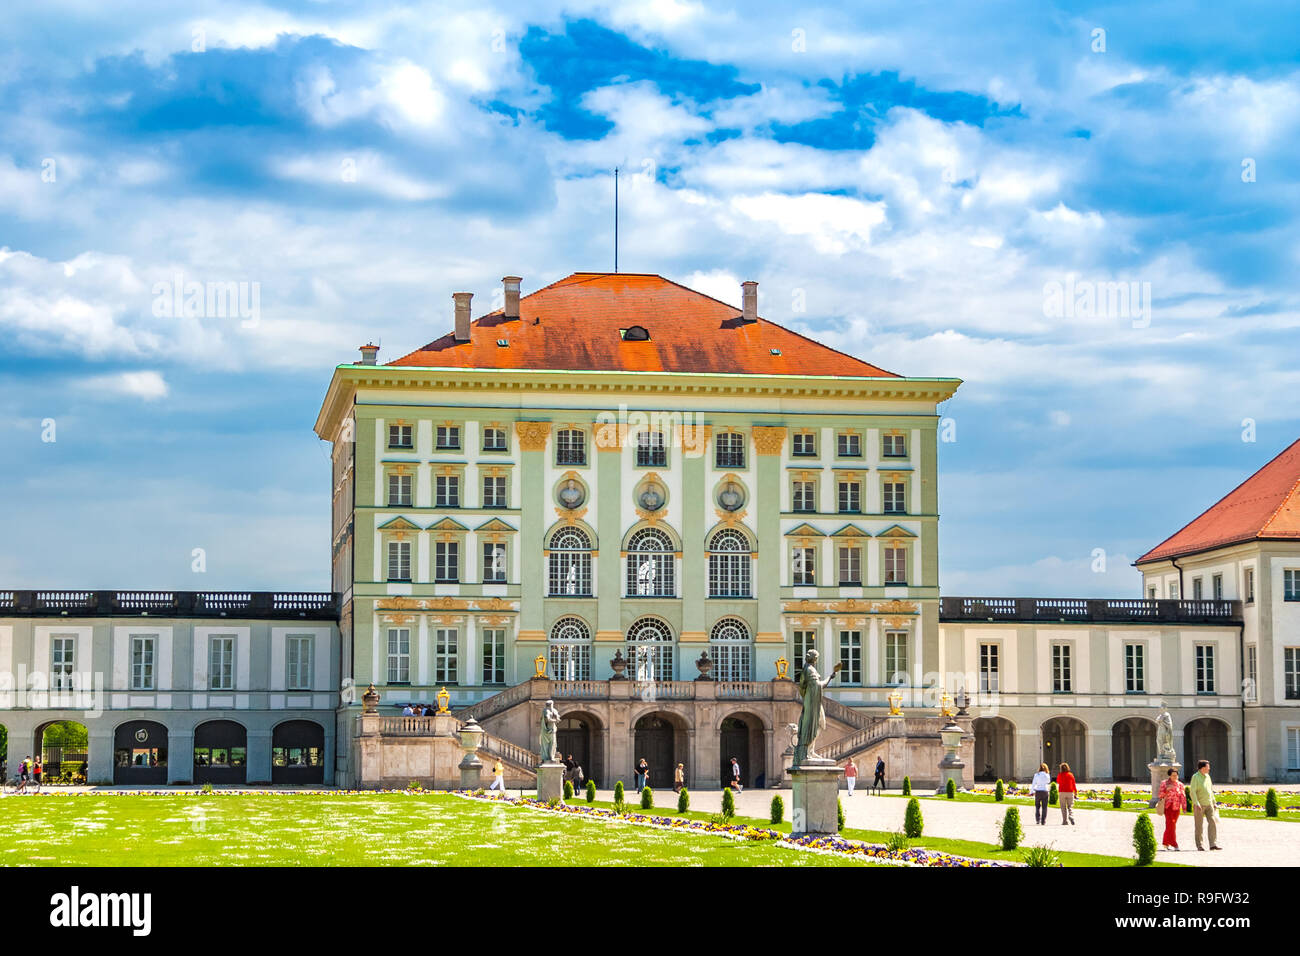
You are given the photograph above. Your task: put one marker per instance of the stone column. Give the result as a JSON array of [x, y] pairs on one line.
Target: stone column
[[99, 767], [259, 756], [180, 756]]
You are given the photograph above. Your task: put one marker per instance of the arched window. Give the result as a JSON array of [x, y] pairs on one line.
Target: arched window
[[729, 564], [570, 649], [650, 650], [731, 650], [650, 563], [570, 564]]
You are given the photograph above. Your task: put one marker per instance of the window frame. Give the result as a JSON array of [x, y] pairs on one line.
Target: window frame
[[445, 554], [1205, 668], [1062, 666], [848, 496], [568, 452], [849, 645], [400, 544], [448, 438], [151, 642], [807, 577], [221, 672], [398, 653], [651, 448], [1135, 667], [408, 444], [854, 554], [810, 439], [845, 440], [299, 675], [732, 459], [893, 653], [990, 666], [493, 647]]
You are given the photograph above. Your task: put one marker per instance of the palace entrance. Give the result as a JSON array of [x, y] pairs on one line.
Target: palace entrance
[[574, 737], [654, 740], [1065, 740], [140, 753], [220, 752], [742, 736]]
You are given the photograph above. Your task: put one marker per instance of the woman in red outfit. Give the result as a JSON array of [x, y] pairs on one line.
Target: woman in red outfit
[[1066, 788], [1171, 792]]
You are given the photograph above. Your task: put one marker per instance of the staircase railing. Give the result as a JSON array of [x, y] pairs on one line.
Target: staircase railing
[[491, 706], [511, 753]]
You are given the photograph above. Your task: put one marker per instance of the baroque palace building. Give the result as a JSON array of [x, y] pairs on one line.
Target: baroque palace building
[[648, 505]]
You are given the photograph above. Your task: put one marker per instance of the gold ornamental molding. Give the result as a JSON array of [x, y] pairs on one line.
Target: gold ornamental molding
[[768, 439], [896, 607], [494, 620], [898, 622], [494, 604], [804, 623], [447, 619], [803, 606], [849, 622], [533, 435], [694, 439], [398, 603], [570, 516]]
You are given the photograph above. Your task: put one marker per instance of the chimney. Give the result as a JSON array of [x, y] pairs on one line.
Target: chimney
[[749, 301], [462, 314], [368, 353], [511, 284]]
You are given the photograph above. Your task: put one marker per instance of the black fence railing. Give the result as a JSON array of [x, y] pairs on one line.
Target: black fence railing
[[314, 605], [1095, 610]]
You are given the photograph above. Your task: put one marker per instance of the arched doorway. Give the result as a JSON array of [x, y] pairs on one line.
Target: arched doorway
[[995, 751], [1206, 739], [1132, 747], [63, 746], [140, 753], [741, 736], [654, 738], [298, 752], [1065, 740], [580, 735], [220, 752]]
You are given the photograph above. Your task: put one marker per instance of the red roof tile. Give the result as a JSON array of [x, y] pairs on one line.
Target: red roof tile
[[575, 324], [1265, 505]]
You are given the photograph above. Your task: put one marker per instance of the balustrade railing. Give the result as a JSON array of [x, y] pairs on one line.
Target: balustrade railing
[[318, 605], [1096, 610]]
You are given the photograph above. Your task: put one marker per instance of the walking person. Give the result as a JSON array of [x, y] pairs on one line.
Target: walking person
[[679, 778], [1201, 789], [1066, 789], [642, 774], [851, 775], [498, 777], [1172, 799], [1039, 786], [735, 776], [879, 783]]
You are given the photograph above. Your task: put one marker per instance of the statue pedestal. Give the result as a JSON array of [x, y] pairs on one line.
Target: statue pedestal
[[550, 781], [815, 798], [471, 772], [1159, 771]]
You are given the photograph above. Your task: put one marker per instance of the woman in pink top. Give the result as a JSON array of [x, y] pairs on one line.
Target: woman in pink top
[[1171, 792], [851, 775]]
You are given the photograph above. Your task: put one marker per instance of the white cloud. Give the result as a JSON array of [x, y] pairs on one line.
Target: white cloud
[[147, 385]]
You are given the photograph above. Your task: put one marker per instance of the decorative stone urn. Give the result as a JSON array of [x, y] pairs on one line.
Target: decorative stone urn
[[471, 767], [370, 701], [618, 664], [951, 766], [705, 666]]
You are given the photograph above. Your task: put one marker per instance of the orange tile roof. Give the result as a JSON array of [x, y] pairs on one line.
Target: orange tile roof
[[575, 324], [1266, 505]]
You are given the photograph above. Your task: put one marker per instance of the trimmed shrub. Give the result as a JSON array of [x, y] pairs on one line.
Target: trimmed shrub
[[683, 801], [568, 790], [728, 805], [620, 804], [1271, 806], [1117, 799], [951, 789], [777, 812], [1010, 833], [591, 791], [999, 791], [1040, 856], [647, 798], [1144, 841], [839, 815], [913, 822], [1053, 794], [907, 786]]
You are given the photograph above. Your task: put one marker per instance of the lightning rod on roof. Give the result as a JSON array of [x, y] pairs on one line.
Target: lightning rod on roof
[[615, 218]]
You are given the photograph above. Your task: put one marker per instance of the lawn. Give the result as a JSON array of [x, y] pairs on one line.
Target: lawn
[[390, 829]]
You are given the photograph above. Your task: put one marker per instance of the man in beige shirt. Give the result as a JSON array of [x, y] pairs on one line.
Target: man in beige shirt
[[1201, 789]]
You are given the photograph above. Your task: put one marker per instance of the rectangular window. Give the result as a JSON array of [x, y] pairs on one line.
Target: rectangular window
[[399, 655], [729, 450], [446, 561], [447, 491], [1173, 590], [494, 656], [896, 665], [445, 640], [895, 565], [850, 565], [1135, 670], [1151, 593], [399, 436], [494, 491], [1216, 587], [989, 673], [570, 447], [1062, 678], [805, 496], [570, 661], [1291, 584], [494, 562], [1291, 672], [62, 653], [221, 663], [805, 445], [143, 654], [804, 641], [1293, 748], [895, 498], [1205, 669], [1197, 589], [895, 446], [448, 437], [851, 657], [494, 439], [650, 450], [1252, 674], [298, 662], [848, 445], [399, 490], [399, 560], [1250, 586], [803, 566], [850, 497]]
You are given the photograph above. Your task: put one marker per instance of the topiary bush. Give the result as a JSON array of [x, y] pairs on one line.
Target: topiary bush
[[839, 815], [913, 822], [1144, 841], [1053, 794], [568, 790], [728, 805], [1271, 806], [951, 789], [683, 801], [1010, 833], [999, 791], [777, 812], [907, 786], [1117, 799], [591, 791], [620, 804], [647, 798]]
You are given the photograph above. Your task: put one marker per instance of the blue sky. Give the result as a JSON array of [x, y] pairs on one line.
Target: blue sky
[[917, 175]]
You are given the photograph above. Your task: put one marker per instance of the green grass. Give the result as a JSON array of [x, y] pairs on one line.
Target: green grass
[[348, 830], [970, 848], [1105, 804]]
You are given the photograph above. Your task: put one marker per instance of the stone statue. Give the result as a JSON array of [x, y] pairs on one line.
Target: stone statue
[[1165, 736], [812, 718], [546, 738]]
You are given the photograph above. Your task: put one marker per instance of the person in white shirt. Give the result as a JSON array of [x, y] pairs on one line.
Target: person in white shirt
[[1040, 785], [407, 712]]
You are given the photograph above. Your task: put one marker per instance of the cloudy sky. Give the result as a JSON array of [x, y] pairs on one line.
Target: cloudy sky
[[940, 190]]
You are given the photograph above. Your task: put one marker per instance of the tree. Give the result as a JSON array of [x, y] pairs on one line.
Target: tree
[[951, 789], [683, 801], [1271, 806], [913, 822], [728, 805], [1144, 840], [776, 813], [1117, 799], [839, 815], [1011, 832], [907, 786], [999, 791], [1053, 794], [591, 791], [647, 798]]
